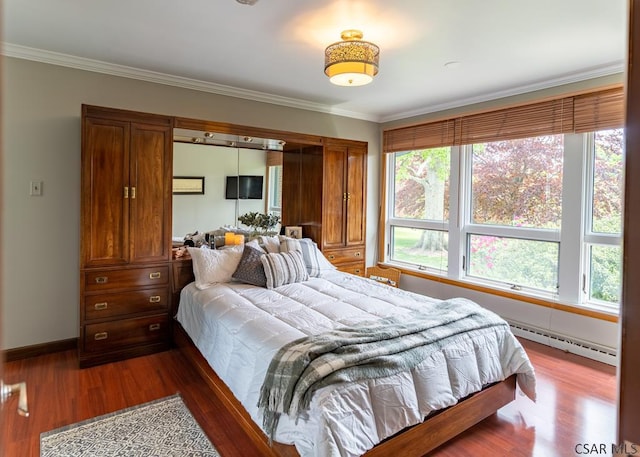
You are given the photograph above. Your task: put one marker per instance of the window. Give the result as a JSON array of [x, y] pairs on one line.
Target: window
[[603, 254], [526, 199], [420, 207], [518, 183], [515, 212]]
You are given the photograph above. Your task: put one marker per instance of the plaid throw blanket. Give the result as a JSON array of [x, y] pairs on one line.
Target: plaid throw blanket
[[375, 350]]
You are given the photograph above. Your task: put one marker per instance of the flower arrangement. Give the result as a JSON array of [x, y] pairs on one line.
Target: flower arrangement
[[260, 223]]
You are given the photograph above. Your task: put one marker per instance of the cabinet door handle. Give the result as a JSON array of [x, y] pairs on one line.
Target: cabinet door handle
[[154, 299], [133, 192], [154, 327], [154, 275], [102, 279], [101, 336], [101, 306]]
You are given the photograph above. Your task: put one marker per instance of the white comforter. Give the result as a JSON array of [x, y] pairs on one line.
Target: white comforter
[[238, 328]]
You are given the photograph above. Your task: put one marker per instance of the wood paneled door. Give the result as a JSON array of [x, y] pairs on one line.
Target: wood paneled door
[[344, 204], [344, 196], [126, 189]]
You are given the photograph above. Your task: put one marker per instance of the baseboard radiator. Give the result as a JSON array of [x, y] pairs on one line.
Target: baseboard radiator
[[569, 344]]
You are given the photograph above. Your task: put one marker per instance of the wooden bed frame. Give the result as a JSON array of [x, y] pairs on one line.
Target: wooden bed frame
[[414, 441]]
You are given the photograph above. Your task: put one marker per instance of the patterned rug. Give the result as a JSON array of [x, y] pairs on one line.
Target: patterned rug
[[163, 427]]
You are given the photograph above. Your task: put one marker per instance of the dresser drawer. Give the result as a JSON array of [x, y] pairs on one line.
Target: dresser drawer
[[118, 304], [96, 280], [348, 255], [112, 335], [353, 268]]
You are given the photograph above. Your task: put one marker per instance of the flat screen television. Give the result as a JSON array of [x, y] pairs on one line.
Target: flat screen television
[[244, 187]]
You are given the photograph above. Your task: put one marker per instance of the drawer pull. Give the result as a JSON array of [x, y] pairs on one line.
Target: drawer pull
[[358, 270], [332, 257], [357, 254], [100, 306], [154, 275], [101, 336], [154, 327], [154, 299], [102, 279]]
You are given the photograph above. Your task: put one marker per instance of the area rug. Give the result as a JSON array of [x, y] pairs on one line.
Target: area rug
[[163, 427]]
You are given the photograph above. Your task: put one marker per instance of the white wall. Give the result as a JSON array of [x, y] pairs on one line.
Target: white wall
[[41, 106]]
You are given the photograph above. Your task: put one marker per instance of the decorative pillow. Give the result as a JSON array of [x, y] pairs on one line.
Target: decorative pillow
[[270, 244], [313, 259], [256, 245], [211, 266], [250, 269], [284, 268]]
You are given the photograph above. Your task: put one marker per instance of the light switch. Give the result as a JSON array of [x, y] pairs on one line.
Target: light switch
[[35, 190]]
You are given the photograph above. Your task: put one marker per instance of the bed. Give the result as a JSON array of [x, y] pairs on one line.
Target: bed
[[232, 330]]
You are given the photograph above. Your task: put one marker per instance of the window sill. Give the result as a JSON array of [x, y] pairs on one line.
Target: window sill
[[574, 309]]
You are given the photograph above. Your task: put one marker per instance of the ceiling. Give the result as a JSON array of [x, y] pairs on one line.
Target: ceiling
[[434, 54]]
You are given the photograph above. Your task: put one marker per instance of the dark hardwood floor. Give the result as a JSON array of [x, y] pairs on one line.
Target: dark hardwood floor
[[576, 404]]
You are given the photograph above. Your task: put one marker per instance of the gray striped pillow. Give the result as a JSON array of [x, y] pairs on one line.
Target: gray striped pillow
[[284, 268], [309, 251]]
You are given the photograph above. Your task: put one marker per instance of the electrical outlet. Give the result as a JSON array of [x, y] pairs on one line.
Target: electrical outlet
[[35, 189]]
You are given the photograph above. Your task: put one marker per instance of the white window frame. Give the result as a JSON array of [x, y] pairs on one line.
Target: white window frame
[[574, 236], [424, 224], [591, 238]]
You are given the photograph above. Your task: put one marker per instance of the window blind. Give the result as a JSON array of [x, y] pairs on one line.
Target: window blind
[[582, 113], [599, 111], [422, 136], [545, 118]]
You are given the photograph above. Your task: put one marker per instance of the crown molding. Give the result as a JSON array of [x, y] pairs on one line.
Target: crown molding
[[97, 66]]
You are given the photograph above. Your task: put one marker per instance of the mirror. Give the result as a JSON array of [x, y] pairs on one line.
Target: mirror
[[241, 174]]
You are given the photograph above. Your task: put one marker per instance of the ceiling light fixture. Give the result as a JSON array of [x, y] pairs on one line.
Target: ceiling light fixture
[[247, 2], [351, 62]]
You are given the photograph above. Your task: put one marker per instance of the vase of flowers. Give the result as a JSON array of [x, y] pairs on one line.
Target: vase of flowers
[[260, 223]]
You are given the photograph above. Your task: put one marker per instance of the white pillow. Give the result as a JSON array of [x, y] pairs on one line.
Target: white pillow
[[255, 244], [211, 266], [313, 258], [270, 243]]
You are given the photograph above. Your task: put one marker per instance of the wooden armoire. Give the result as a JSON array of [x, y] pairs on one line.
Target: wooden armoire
[[125, 234], [326, 195], [127, 275]]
